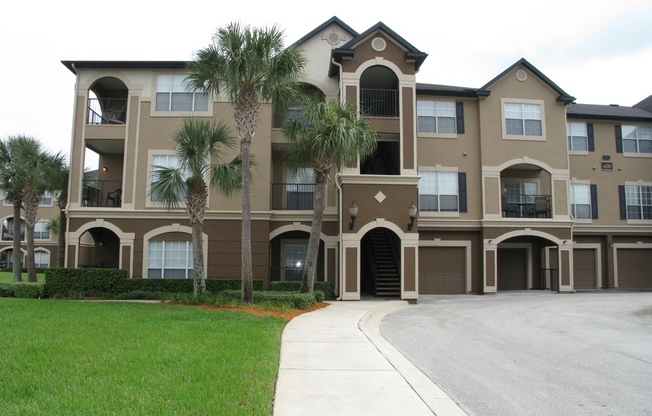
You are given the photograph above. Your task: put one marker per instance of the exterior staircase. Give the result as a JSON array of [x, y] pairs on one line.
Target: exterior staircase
[[387, 279]]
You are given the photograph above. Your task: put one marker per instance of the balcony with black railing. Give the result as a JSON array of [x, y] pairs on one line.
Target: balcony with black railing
[[293, 196], [526, 206], [106, 111], [379, 102], [101, 193]]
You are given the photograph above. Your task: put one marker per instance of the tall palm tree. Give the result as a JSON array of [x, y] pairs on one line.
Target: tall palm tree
[[200, 146], [59, 187], [35, 167], [11, 186], [250, 65], [328, 135]]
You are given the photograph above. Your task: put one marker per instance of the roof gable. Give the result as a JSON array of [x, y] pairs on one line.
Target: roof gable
[[320, 28], [563, 96]]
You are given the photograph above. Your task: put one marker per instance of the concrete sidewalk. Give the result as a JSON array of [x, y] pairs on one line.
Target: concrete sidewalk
[[334, 361]]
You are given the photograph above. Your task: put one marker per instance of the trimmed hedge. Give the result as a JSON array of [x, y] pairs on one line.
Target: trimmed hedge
[[297, 300], [21, 290], [6, 290], [294, 286], [113, 282]]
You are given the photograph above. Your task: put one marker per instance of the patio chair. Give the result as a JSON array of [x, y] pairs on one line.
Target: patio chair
[[115, 197]]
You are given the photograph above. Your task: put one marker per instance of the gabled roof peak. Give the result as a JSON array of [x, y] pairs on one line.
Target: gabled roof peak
[[563, 96], [315, 31]]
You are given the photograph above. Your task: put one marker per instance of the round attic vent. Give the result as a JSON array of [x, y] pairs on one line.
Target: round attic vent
[[333, 38], [378, 44], [521, 75]]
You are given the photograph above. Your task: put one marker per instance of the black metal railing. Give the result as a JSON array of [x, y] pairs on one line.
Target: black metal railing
[[106, 111], [292, 274], [526, 206], [101, 193], [379, 103], [293, 196]]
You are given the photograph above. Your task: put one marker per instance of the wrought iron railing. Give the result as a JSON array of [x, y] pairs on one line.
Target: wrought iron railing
[[526, 206], [293, 196], [106, 111], [101, 193], [379, 103]]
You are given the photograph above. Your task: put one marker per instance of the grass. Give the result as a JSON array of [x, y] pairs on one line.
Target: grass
[[8, 277], [80, 358]]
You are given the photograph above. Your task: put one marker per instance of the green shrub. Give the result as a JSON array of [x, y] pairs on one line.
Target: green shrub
[[325, 287], [28, 290], [297, 300], [6, 290]]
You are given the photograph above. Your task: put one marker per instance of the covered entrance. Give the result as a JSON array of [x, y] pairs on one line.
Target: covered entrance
[[381, 263]]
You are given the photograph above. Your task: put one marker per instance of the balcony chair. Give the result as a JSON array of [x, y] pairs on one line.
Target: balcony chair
[[115, 197], [541, 209], [509, 210]]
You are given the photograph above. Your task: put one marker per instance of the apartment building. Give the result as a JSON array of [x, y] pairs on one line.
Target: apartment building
[[506, 186]]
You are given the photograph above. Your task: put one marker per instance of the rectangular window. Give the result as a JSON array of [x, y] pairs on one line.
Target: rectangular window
[[637, 139], [523, 119], [171, 95], [295, 260], [638, 201], [438, 192], [577, 136], [436, 116], [45, 199], [170, 260], [581, 201], [40, 230], [164, 161]]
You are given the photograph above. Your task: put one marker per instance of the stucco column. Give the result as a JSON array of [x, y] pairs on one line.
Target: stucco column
[[490, 267], [410, 266], [350, 267]]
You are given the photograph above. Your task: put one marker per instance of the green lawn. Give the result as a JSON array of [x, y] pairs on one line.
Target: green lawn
[[100, 358], [8, 277]]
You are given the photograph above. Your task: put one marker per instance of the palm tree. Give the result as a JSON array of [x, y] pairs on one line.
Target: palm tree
[[200, 146], [327, 135], [59, 186], [35, 168], [250, 65], [11, 186]]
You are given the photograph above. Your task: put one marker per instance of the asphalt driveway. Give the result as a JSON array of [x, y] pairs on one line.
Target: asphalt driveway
[[533, 353]]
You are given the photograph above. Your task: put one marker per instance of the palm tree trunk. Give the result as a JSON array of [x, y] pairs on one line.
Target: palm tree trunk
[[312, 255], [199, 274], [17, 254], [30, 202], [247, 269], [61, 240]]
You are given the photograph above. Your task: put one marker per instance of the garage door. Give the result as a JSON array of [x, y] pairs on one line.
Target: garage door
[[634, 268], [442, 270], [584, 270], [512, 269]]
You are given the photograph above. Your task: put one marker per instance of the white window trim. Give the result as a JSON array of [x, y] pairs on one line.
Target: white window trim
[[285, 242], [637, 183], [579, 182], [150, 167], [163, 268], [52, 196], [45, 250], [573, 151], [167, 113], [440, 214], [634, 154], [506, 136], [432, 135], [44, 222]]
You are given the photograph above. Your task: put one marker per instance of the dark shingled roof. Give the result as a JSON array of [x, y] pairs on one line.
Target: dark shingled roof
[[645, 104], [323, 26], [71, 65], [450, 90], [608, 112]]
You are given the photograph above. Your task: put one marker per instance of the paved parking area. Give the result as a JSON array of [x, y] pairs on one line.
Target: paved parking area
[[533, 353]]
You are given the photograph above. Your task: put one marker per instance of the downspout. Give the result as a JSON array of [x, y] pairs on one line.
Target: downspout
[[339, 203]]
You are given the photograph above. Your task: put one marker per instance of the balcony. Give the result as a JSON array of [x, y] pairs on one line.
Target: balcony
[[106, 111], [526, 206], [379, 102], [293, 196], [101, 193]]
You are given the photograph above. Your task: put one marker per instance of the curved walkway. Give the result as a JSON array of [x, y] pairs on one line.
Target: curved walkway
[[334, 361]]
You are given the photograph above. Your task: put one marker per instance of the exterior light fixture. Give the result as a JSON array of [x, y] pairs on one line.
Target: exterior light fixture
[[353, 210], [104, 169], [412, 212]]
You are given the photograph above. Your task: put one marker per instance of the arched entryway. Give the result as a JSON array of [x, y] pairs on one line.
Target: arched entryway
[[380, 268], [287, 260], [99, 248]]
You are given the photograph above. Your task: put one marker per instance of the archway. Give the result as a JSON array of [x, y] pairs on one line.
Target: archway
[[99, 248], [380, 268]]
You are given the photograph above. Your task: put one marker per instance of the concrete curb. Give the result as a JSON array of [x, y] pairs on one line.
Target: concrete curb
[[434, 397]]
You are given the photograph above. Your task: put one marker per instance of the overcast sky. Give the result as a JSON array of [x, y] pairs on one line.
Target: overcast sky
[[597, 51]]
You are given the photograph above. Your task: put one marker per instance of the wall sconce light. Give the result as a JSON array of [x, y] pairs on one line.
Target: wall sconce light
[[353, 210], [412, 212], [565, 241], [611, 245], [104, 169], [491, 241]]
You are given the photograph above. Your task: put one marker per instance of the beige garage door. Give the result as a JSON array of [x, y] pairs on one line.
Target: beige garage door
[[634, 268], [442, 270], [584, 270]]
